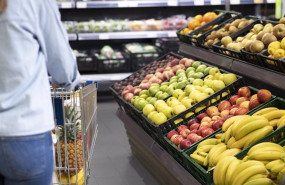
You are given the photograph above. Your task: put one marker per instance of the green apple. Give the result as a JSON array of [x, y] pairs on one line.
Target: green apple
[[148, 98], [214, 70], [189, 88], [148, 108], [218, 85], [144, 92], [163, 88], [192, 75], [229, 78], [181, 96], [193, 94], [163, 95], [187, 102], [164, 83], [181, 74], [158, 94], [152, 115], [209, 77], [206, 71], [133, 99], [174, 85], [168, 112], [154, 84], [182, 78], [173, 81], [161, 107], [190, 69], [181, 85], [153, 90], [169, 100], [141, 104], [201, 68], [217, 76], [177, 92], [221, 77], [189, 73], [208, 82], [198, 82], [209, 91], [159, 118], [159, 102], [174, 77], [174, 103], [144, 96], [180, 71], [170, 89], [179, 109], [201, 97], [152, 100], [198, 75], [190, 80], [137, 100], [196, 64]]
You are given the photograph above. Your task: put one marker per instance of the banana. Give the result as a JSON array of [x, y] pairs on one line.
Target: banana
[[223, 169], [281, 122], [274, 122], [245, 158], [206, 161], [257, 176], [247, 173], [267, 149], [265, 145], [266, 156], [240, 143], [205, 148], [214, 158], [244, 122], [228, 134], [273, 163], [211, 141], [276, 114], [229, 122], [230, 170], [278, 168], [237, 122], [264, 111], [212, 151], [219, 136], [229, 152], [249, 127], [231, 141], [257, 135], [203, 154], [199, 159], [260, 181], [243, 166]]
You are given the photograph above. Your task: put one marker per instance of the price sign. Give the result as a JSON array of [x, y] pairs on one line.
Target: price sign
[[198, 2], [151, 35], [271, 1], [123, 4], [81, 5], [172, 3], [104, 36], [216, 2], [171, 34], [66, 5], [235, 1], [133, 4]]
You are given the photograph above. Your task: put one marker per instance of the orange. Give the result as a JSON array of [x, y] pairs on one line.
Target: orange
[[193, 24], [199, 18], [209, 16], [187, 31], [202, 23]]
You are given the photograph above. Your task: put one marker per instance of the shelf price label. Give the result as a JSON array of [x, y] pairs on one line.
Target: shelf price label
[[81, 5], [199, 2], [123, 4], [66, 4], [271, 1], [172, 34], [133, 4], [172, 3], [216, 2], [104, 36], [151, 35], [235, 1]]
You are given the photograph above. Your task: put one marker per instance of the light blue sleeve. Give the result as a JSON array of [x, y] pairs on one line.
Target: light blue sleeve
[[61, 62]]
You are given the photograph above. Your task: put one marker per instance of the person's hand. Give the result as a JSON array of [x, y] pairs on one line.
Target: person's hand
[[54, 86]]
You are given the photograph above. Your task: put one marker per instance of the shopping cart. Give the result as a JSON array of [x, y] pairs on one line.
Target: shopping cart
[[75, 133]]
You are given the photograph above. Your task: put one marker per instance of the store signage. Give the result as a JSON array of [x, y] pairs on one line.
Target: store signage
[[216, 2]]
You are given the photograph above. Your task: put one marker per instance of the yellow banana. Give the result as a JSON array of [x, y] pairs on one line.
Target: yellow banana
[[228, 134], [257, 135], [203, 154], [213, 158], [199, 159], [232, 167], [244, 122], [257, 176], [211, 141], [275, 149], [278, 168], [281, 122], [260, 181], [240, 143], [276, 114], [229, 152], [273, 163], [247, 173], [245, 158], [206, 161], [229, 122], [205, 148], [249, 127], [230, 142], [266, 156], [237, 122], [264, 111], [274, 122], [212, 151], [219, 136], [264, 146], [223, 169]]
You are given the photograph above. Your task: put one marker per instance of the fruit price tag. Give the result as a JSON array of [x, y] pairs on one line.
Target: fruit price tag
[[81, 5], [172, 3], [66, 5], [271, 1], [123, 4], [104, 36], [235, 1], [151, 35], [133, 4], [198, 2], [172, 34], [258, 1], [216, 2]]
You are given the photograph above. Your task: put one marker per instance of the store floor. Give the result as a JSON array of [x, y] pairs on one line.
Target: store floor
[[113, 162]]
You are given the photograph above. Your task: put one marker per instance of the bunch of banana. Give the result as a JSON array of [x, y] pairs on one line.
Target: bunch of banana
[[275, 116], [232, 171], [242, 131]]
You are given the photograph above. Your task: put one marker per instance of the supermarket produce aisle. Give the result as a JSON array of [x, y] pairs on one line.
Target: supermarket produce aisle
[[113, 163]]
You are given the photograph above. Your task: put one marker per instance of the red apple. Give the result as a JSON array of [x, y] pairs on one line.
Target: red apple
[[233, 99], [241, 111], [206, 119], [253, 103], [263, 95], [211, 110], [128, 97], [181, 127], [185, 143], [201, 116], [159, 70], [149, 76], [233, 111], [192, 121], [171, 133], [253, 97], [144, 81], [245, 104], [184, 133], [224, 105], [216, 118], [234, 106], [137, 91], [124, 93], [241, 99], [206, 124], [191, 136], [216, 125], [145, 86], [199, 132], [226, 117], [177, 140], [195, 126], [225, 113], [189, 63], [196, 139], [182, 61], [129, 87], [194, 131], [182, 66], [207, 132], [244, 92], [173, 138]]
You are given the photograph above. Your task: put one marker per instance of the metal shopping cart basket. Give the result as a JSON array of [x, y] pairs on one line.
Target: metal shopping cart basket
[[75, 133]]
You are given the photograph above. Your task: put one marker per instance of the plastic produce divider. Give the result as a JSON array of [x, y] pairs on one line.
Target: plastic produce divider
[[272, 63]]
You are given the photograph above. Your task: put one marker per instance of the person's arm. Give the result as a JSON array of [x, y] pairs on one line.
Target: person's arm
[[61, 62]]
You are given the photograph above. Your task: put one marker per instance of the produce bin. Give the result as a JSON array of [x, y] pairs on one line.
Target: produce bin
[[272, 63], [86, 62], [168, 44]]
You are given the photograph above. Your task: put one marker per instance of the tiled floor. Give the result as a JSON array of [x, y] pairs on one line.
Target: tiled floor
[[113, 162]]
